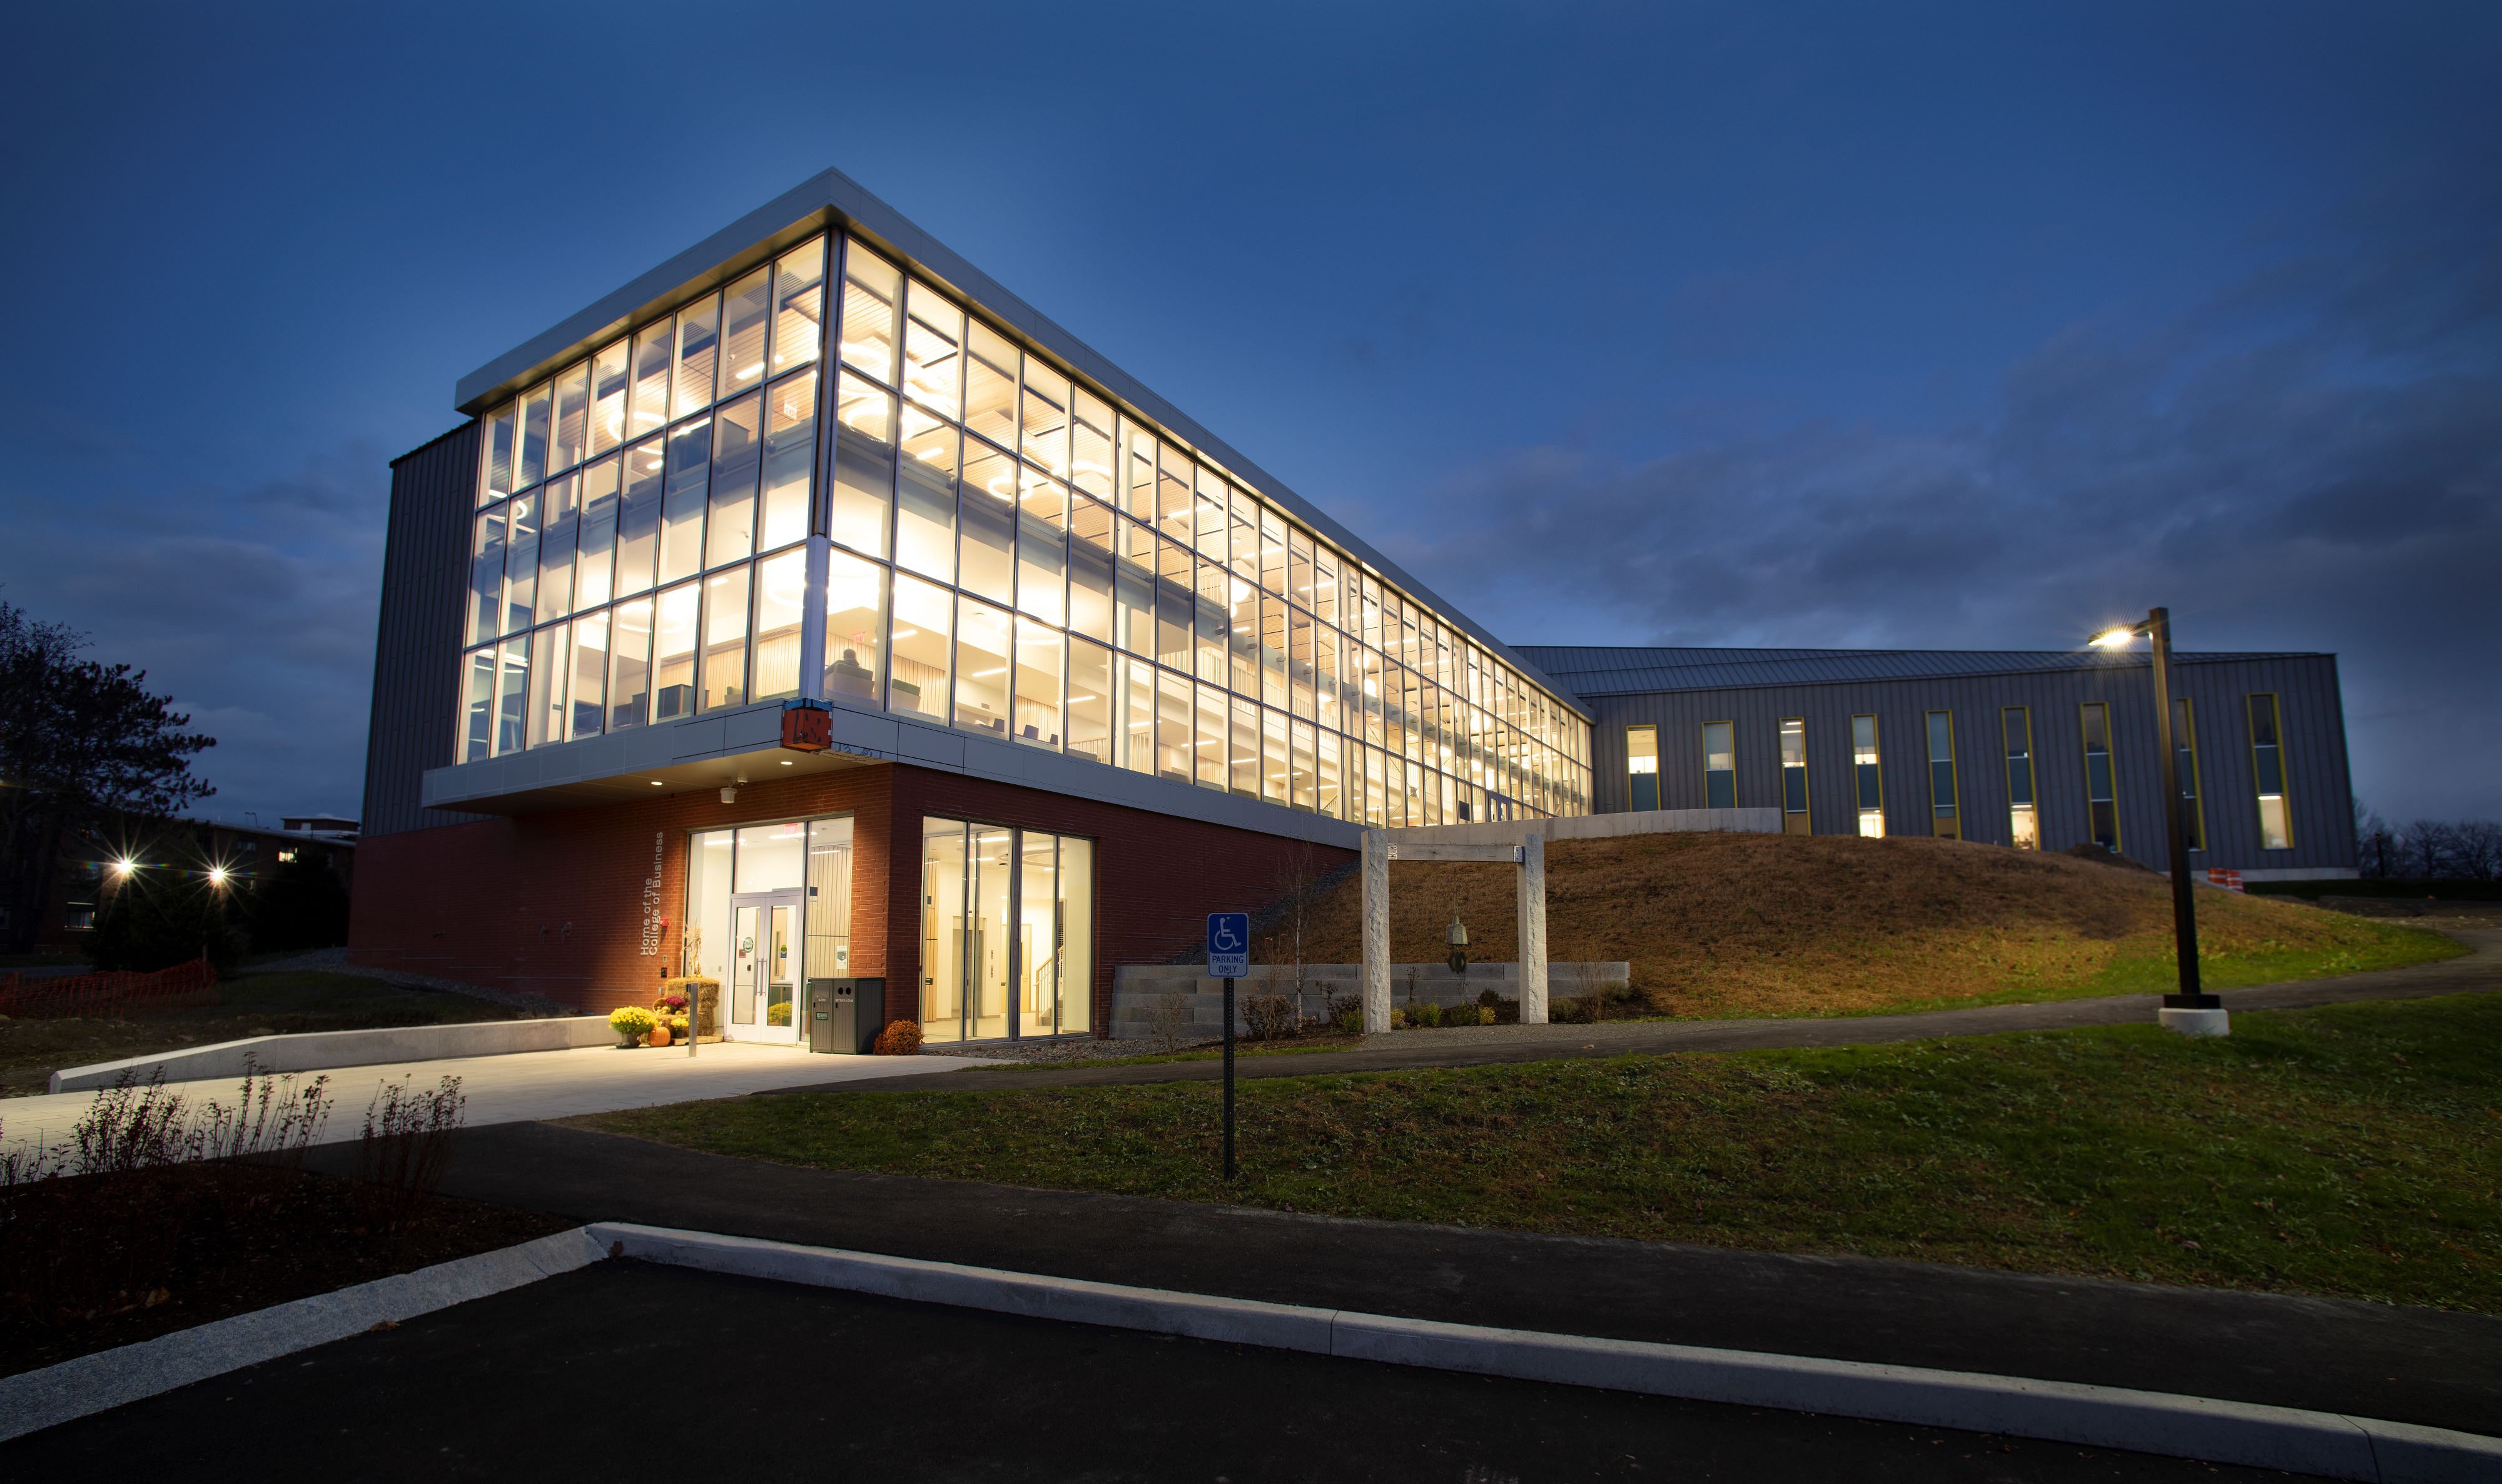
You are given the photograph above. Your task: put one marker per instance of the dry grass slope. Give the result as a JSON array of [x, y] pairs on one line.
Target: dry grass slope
[[1738, 924]]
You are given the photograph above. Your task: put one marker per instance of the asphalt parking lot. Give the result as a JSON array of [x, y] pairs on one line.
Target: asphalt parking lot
[[628, 1371]]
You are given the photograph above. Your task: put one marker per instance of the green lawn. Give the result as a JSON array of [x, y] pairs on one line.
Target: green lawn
[[2351, 1150]]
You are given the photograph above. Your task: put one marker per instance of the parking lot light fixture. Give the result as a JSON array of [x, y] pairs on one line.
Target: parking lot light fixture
[[2190, 1009]]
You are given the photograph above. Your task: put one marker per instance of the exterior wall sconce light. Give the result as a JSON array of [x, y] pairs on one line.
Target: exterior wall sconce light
[[1458, 937]]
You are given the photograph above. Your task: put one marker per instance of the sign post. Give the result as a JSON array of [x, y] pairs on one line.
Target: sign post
[[1229, 957]]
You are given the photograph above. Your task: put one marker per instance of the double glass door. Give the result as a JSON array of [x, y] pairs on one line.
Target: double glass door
[[765, 967]]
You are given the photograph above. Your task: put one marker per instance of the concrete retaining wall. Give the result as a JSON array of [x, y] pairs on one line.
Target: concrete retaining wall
[[1598, 826], [1137, 990], [315, 1050]]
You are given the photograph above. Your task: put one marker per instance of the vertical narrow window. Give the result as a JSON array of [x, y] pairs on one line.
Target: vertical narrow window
[[864, 464], [934, 353], [587, 694], [984, 652], [925, 516], [559, 520], [1211, 624], [1243, 774], [1307, 777], [487, 576], [529, 463], [1089, 700], [638, 516], [1207, 747], [1272, 552], [1207, 519], [781, 593], [991, 367], [1325, 672], [1134, 607], [629, 663], [571, 438], [521, 561], [478, 706], [513, 697], [698, 340], [1300, 663], [1090, 569], [2024, 812], [1091, 465], [1174, 737], [1137, 478], [1137, 713], [1332, 798], [1242, 536], [1044, 420], [944, 928], [547, 687], [746, 322], [1042, 547], [1868, 775], [798, 305], [1276, 757], [1077, 976], [1040, 652], [673, 653], [986, 524], [2267, 770], [495, 456], [2102, 795], [2184, 747], [611, 383], [920, 654], [1794, 813], [1174, 501], [651, 393], [738, 457], [681, 504], [855, 627], [872, 295], [1944, 820], [1719, 766], [1325, 587], [789, 460], [1174, 614]]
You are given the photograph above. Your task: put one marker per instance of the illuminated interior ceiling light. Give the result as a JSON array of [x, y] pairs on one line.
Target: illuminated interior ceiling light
[[656, 783], [786, 762]]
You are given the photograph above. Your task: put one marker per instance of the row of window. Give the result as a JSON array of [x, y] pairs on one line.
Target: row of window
[[2016, 738], [1010, 509]]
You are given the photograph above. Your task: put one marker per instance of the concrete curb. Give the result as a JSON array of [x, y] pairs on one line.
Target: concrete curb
[[2112, 1417], [35, 1400], [307, 1051]]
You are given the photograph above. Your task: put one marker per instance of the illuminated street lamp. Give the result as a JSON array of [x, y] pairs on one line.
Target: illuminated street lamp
[[2190, 1010]]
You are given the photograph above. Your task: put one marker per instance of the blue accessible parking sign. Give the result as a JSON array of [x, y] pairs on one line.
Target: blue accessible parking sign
[[1228, 945]]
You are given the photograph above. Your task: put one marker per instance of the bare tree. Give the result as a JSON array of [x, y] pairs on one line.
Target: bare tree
[[2478, 845], [2430, 846]]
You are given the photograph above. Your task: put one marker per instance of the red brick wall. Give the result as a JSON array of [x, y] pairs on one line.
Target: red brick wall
[[551, 903]]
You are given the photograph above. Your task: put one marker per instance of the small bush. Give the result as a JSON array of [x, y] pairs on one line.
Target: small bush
[[1427, 1014], [631, 1021], [900, 1038], [1270, 1017], [1351, 1020]]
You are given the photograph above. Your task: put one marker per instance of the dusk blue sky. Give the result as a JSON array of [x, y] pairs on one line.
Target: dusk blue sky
[[1961, 326]]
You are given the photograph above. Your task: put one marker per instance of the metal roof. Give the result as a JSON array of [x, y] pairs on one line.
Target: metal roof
[[1608, 670], [832, 199]]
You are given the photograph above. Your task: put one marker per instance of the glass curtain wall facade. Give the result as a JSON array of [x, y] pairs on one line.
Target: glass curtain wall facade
[[1013, 554], [1008, 932]]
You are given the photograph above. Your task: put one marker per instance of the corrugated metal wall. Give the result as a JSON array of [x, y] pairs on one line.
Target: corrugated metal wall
[[2305, 686], [416, 648]]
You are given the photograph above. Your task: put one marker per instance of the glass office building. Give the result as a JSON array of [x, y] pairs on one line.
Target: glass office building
[[820, 461]]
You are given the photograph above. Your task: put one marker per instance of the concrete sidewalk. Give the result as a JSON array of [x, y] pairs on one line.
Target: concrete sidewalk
[[2421, 1365], [1486, 1045], [534, 1085]]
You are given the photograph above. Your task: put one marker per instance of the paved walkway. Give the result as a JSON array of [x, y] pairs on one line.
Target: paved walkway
[[1484, 1045], [2421, 1365], [535, 1084]]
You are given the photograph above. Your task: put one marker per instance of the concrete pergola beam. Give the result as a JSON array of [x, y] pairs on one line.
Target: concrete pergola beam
[[1530, 856]]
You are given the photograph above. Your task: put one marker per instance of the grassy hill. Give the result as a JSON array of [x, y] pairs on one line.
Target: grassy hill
[[1738, 924]]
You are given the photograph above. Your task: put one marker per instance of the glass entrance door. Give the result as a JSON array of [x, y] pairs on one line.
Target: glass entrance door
[[763, 968]]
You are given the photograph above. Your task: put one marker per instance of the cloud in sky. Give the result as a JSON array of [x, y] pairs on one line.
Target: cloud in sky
[[2309, 458]]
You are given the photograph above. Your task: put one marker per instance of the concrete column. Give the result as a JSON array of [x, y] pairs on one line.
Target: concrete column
[[812, 619], [1533, 929], [1376, 934]]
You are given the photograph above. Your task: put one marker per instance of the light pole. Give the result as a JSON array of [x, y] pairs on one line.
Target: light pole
[[2190, 1010]]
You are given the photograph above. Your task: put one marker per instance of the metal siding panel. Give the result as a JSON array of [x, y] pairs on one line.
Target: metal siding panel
[[417, 635]]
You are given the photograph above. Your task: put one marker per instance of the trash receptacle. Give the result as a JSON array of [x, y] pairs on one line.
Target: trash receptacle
[[845, 1015]]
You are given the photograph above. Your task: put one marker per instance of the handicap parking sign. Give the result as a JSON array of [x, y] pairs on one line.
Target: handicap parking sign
[[1228, 945]]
